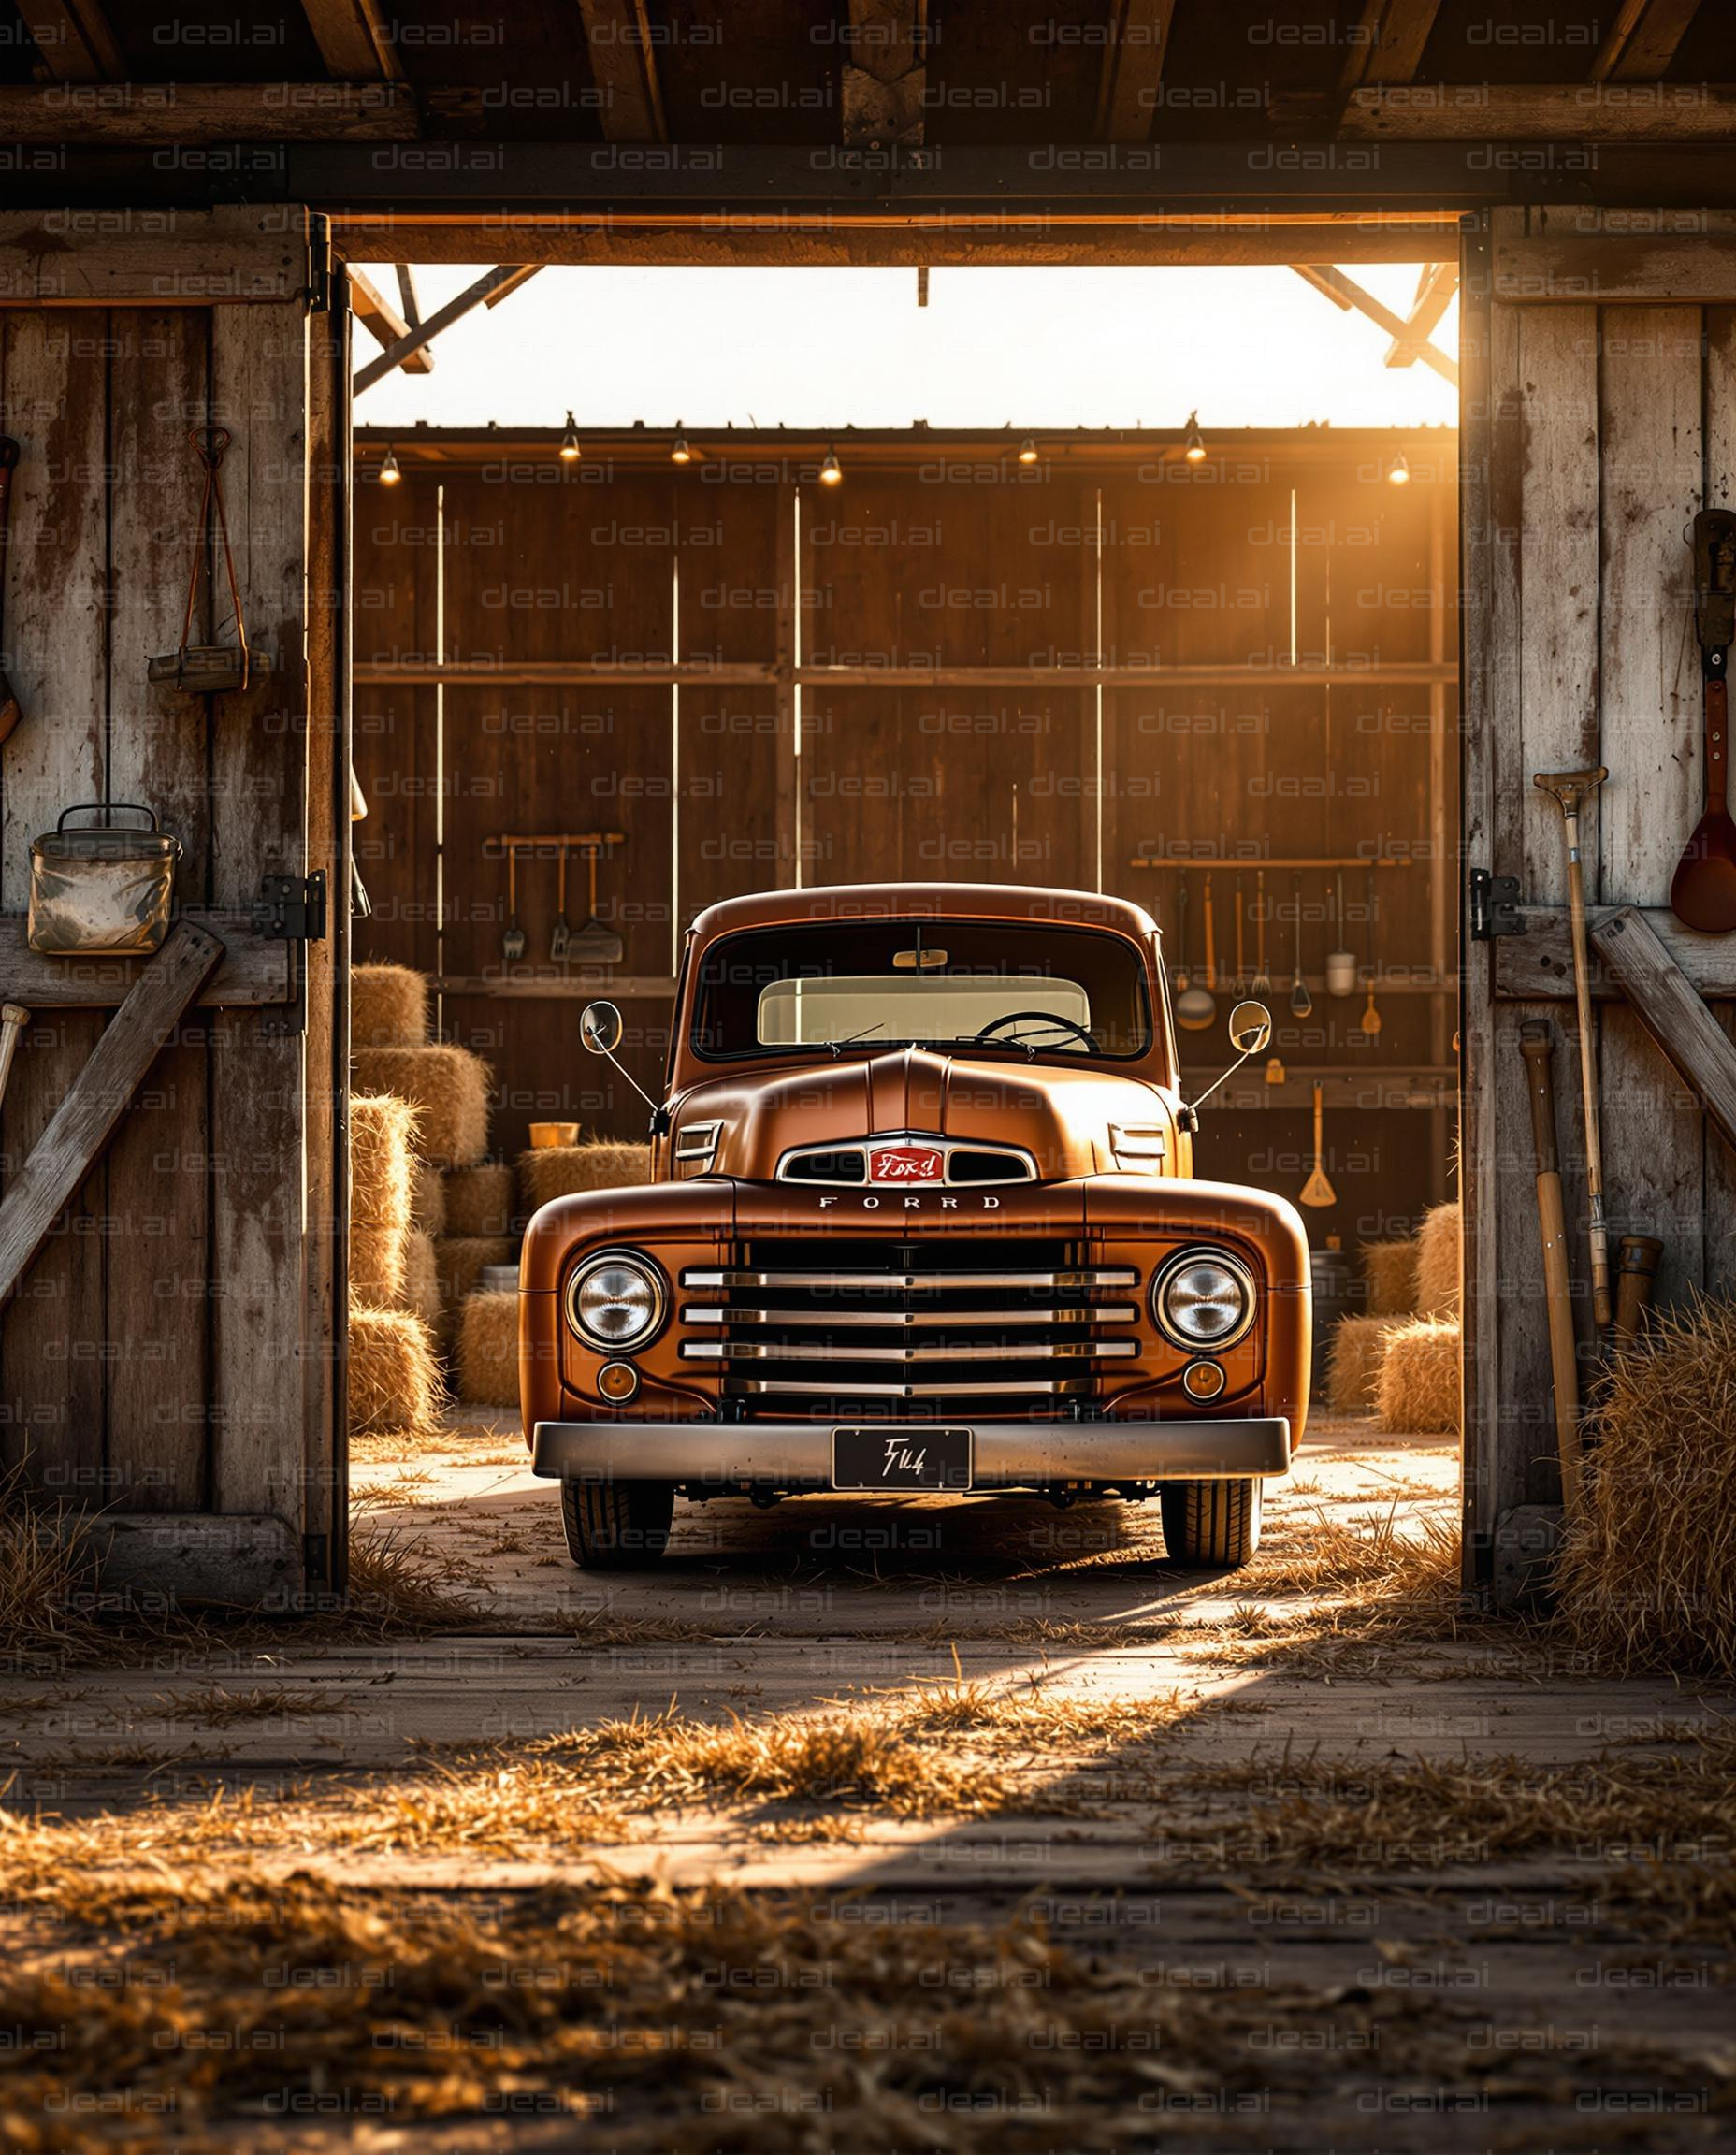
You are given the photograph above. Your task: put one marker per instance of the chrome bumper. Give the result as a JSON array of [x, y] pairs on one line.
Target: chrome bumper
[[1007, 1454]]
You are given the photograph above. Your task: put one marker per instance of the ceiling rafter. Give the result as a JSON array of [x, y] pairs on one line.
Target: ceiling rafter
[[1133, 69], [1641, 41], [1436, 289], [487, 291], [1345, 293], [1389, 42], [75, 40], [354, 42], [617, 35], [885, 79], [377, 314]]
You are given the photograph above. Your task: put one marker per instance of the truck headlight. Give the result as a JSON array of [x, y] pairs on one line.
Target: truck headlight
[[1203, 1299], [616, 1299]]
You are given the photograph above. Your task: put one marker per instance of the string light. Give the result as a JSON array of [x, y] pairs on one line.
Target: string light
[[1194, 447], [832, 472], [1027, 451], [389, 472], [569, 450], [1399, 471], [680, 451]]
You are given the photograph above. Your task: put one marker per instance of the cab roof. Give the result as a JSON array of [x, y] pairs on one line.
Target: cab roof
[[925, 902]]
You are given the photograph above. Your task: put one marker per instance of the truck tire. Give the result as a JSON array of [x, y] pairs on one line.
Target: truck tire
[[616, 1526], [1211, 1525]]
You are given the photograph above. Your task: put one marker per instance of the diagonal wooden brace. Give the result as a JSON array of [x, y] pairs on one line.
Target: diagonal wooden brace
[[97, 1097], [1667, 1005]]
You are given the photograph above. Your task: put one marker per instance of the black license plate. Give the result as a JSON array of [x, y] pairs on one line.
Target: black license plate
[[883, 1458]]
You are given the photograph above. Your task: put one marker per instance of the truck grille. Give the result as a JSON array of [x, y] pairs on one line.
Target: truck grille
[[896, 1330]]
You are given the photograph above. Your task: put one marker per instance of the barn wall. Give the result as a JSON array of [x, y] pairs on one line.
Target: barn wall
[[938, 556]]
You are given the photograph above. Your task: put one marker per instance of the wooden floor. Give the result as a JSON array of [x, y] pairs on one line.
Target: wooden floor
[[1156, 1682]]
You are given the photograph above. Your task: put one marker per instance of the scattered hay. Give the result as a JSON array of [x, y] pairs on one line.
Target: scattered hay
[[398, 1582], [488, 1351], [1354, 1366], [46, 1569], [393, 1381], [388, 1007], [427, 1198], [1389, 1269], [552, 1171], [1647, 1573], [479, 1200], [448, 1087], [1419, 1389], [1371, 1560], [1438, 1263], [420, 1294]]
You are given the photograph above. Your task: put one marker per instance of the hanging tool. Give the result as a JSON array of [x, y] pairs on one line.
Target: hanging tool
[[1342, 963], [1194, 1008], [1317, 1191], [1212, 943], [1241, 972], [1301, 1002], [1371, 1016], [208, 669], [10, 711], [560, 942], [512, 942], [1703, 892], [1636, 1276], [1569, 789], [1536, 1042], [1262, 979], [13, 1019], [595, 943]]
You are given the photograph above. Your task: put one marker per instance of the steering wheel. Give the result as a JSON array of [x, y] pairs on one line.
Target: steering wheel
[[1045, 1019]]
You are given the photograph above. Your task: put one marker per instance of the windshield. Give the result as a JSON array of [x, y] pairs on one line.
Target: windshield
[[1019, 985]]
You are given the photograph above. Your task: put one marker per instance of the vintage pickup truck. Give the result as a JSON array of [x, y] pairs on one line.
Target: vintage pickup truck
[[923, 1218]]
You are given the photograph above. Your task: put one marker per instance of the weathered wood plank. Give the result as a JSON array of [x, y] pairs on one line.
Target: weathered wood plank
[[98, 1097], [152, 257], [1541, 112], [195, 1560], [1720, 1222], [1640, 269], [254, 972], [1681, 1028], [178, 113], [1538, 966]]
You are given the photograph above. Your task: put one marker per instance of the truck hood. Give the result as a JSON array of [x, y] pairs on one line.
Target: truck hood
[[1063, 1118]]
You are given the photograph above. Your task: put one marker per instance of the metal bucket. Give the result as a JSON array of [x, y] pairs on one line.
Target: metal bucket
[[1329, 1271]]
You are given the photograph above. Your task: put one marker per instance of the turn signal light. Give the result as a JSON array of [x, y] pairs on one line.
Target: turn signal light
[[617, 1382], [1201, 1379]]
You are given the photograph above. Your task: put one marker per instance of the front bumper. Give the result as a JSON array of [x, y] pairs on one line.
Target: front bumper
[[1009, 1454]]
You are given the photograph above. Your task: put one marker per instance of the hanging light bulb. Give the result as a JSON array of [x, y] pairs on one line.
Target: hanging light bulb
[[832, 472], [1027, 451], [569, 450], [389, 473], [1399, 471], [1194, 446], [680, 451]]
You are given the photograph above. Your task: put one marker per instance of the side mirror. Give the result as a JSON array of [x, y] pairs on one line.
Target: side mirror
[[602, 1025], [1250, 1028]]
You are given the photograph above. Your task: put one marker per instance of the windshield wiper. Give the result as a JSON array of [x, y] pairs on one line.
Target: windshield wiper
[[850, 1039]]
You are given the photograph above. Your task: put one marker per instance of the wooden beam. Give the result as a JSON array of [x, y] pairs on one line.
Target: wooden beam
[[167, 114], [761, 674], [75, 40], [382, 320], [1664, 112], [1641, 41], [1434, 289], [251, 973], [1133, 69], [508, 285], [1345, 291], [1662, 997], [1654, 270], [886, 76], [624, 70], [1389, 42], [350, 40], [98, 1097], [160, 258], [1538, 966], [424, 334], [408, 301]]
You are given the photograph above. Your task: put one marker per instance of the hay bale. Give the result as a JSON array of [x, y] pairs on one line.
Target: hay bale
[[388, 1007], [554, 1171], [460, 1258], [479, 1200], [1389, 1271], [1354, 1363], [1646, 1576], [448, 1087], [1417, 1390], [488, 1351], [420, 1294], [427, 1198], [1438, 1262], [393, 1381], [377, 1263], [382, 1131]]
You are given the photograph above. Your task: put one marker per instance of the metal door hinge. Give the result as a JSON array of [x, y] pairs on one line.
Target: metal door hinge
[[1493, 907], [317, 290], [292, 910]]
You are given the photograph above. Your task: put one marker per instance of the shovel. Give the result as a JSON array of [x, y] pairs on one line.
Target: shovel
[[594, 943], [512, 942], [1262, 979], [1703, 894], [1194, 1007], [1301, 1002], [560, 942], [1371, 1016], [1317, 1191]]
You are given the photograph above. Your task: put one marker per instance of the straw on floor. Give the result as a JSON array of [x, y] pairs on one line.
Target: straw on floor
[[1389, 1272], [1354, 1363], [394, 1385], [1417, 1390], [447, 1086], [488, 1351], [388, 1007], [1647, 1577], [569, 1170], [479, 1200], [1438, 1263]]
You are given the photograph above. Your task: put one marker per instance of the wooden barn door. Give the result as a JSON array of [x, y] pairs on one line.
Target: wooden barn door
[[173, 1352], [1599, 415]]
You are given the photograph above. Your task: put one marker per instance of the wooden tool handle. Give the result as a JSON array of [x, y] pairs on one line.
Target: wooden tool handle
[[1211, 949], [1319, 1094], [1635, 1279], [1535, 1044], [1717, 744]]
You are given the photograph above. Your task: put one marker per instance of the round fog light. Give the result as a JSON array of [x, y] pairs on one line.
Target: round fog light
[[617, 1382], [1201, 1379]]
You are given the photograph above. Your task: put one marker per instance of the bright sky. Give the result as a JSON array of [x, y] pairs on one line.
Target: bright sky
[[830, 348]]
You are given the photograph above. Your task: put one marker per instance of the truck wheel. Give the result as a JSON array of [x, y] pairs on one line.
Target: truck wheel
[[616, 1526], [1211, 1525]]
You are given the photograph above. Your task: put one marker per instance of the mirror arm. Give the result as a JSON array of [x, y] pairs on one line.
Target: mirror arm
[[614, 1062], [1196, 1105]]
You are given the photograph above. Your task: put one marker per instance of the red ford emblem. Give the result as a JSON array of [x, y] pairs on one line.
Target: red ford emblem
[[906, 1164]]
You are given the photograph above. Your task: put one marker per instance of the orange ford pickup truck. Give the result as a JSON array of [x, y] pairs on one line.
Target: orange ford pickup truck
[[922, 1217]]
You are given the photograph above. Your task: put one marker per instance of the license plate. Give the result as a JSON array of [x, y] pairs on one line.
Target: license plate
[[880, 1457]]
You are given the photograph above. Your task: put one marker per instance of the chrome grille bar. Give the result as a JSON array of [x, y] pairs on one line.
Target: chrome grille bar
[[905, 1282], [827, 1320], [808, 1353], [1045, 1387]]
